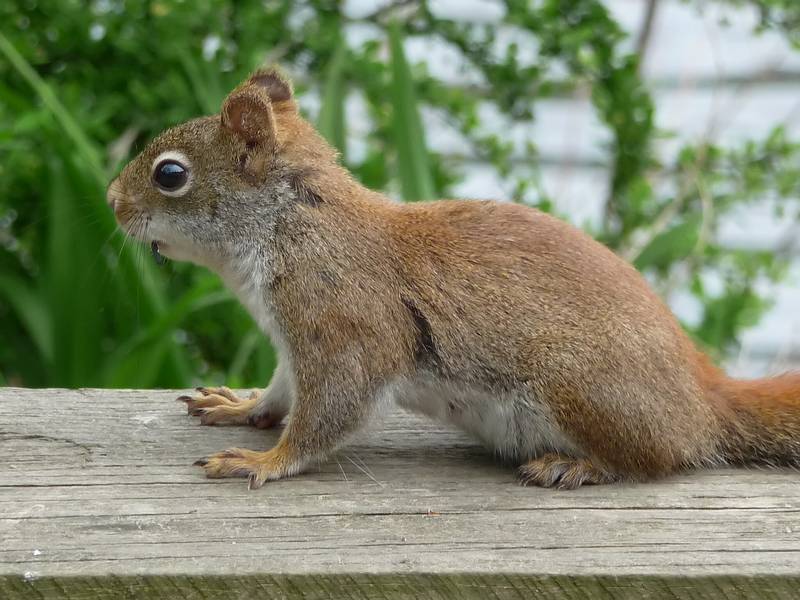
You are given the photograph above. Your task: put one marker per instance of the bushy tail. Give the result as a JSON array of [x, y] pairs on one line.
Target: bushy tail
[[762, 419]]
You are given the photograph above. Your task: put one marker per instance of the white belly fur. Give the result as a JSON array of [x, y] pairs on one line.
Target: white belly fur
[[516, 427]]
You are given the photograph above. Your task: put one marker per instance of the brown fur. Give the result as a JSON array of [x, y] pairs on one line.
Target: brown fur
[[364, 295]]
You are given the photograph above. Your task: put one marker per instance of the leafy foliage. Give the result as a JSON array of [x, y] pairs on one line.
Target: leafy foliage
[[84, 86], [783, 15]]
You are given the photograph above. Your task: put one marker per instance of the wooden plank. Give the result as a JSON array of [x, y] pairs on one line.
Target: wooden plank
[[98, 495], [405, 586]]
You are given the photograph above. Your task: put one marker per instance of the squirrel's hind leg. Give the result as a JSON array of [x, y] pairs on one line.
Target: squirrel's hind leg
[[563, 473]]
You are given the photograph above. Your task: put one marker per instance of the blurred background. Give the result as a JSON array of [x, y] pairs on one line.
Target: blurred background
[[668, 129]]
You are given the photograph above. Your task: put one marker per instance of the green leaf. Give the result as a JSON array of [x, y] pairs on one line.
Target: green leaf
[[416, 178], [244, 353], [671, 245], [332, 114]]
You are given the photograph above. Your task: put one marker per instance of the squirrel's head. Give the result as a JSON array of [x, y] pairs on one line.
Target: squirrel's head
[[205, 188]]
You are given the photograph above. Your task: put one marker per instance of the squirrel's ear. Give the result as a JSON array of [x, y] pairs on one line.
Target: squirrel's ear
[[274, 82], [247, 112]]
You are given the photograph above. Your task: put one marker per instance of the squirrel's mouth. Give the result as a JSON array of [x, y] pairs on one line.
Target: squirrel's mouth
[[157, 256]]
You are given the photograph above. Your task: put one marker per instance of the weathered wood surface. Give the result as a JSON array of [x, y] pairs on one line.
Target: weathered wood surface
[[99, 483]]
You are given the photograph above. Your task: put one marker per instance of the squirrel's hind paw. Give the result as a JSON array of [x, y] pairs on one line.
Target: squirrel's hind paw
[[555, 471]]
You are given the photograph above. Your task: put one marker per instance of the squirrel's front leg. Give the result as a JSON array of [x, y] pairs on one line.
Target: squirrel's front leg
[[329, 405]]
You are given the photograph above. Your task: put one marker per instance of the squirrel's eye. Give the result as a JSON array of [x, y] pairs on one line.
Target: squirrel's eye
[[170, 175]]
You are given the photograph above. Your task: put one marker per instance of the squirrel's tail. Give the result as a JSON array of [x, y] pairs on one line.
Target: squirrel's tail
[[761, 419]]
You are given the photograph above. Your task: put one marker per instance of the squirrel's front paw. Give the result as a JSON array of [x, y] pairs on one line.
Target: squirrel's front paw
[[221, 405], [258, 467]]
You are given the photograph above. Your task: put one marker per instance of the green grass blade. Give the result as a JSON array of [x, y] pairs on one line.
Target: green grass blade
[[83, 145], [244, 354], [205, 82], [332, 114], [142, 367], [416, 179], [32, 312], [69, 294], [203, 295]]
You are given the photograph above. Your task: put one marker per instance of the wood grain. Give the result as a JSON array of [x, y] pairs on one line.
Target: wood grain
[[98, 498]]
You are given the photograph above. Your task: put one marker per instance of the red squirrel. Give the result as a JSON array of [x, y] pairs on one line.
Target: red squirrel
[[494, 317]]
